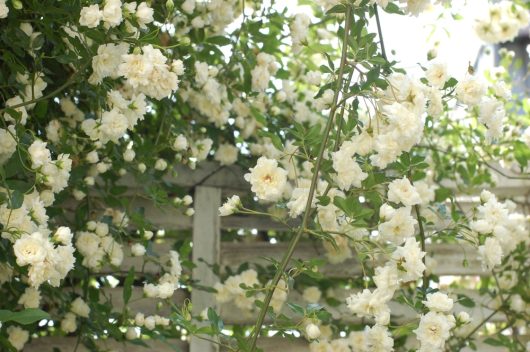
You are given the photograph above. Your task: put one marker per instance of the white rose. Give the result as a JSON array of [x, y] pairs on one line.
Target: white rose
[[139, 319], [402, 191], [151, 290], [4, 10], [181, 143], [137, 250], [87, 243], [437, 74], [129, 155], [470, 91], [187, 200], [166, 290], [102, 229], [312, 294], [63, 235], [150, 322], [40, 155], [112, 14], [47, 197], [17, 337], [463, 317], [312, 331], [30, 249], [144, 14], [131, 333], [90, 16], [30, 298], [80, 307], [267, 179], [148, 235], [226, 154], [230, 206], [438, 302], [68, 324], [160, 165], [188, 6]]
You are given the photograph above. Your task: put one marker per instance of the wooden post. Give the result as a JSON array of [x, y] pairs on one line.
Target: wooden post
[[206, 246]]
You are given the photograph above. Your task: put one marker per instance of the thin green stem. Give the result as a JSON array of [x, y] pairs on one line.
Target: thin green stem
[[294, 241], [59, 89], [425, 283], [380, 32]]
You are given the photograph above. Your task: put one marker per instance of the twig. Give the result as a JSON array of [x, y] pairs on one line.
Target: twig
[[294, 241], [380, 32]]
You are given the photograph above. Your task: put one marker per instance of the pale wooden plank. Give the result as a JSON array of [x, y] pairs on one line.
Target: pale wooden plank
[[449, 256], [233, 315], [206, 247], [268, 344], [68, 344]]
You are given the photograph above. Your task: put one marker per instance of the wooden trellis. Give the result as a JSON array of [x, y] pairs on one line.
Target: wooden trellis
[[211, 184]]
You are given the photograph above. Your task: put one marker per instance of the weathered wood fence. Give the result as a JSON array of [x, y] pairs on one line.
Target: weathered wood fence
[[211, 184]]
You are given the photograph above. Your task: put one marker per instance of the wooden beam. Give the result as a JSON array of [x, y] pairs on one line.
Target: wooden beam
[[206, 250]]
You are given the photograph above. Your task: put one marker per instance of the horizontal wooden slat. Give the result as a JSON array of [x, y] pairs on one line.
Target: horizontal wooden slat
[[212, 174], [450, 257], [233, 315], [270, 344], [68, 344]]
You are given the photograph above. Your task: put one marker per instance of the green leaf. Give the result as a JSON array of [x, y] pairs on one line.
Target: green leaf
[[451, 82], [466, 301], [337, 9], [219, 40], [393, 8], [24, 317], [491, 341], [127, 285], [16, 199], [41, 108], [214, 319], [521, 153]]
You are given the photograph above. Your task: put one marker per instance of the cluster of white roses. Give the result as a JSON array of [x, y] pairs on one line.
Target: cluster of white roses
[[33, 89], [299, 27], [123, 115], [145, 70], [168, 283], [150, 322], [435, 326], [113, 12], [209, 97], [503, 227], [52, 173], [371, 339], [216, 14], [78, 308], [501, 22], [231, 291], [97, 244], [261, 73], [471, 91], [19, 105], [49, 260]]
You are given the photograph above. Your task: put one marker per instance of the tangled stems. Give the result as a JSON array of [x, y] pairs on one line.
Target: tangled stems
[[294, 241]]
